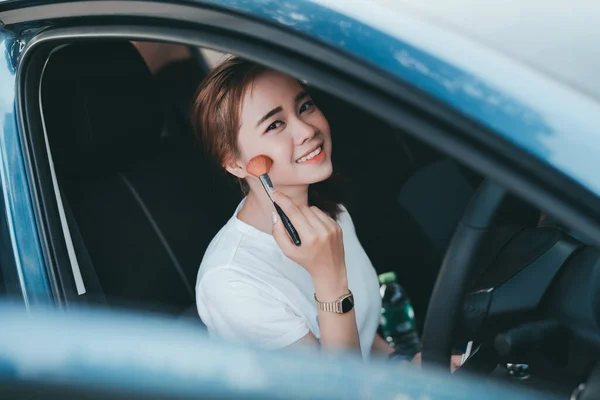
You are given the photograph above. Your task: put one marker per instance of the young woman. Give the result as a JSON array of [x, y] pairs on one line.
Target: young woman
[[254, 284]]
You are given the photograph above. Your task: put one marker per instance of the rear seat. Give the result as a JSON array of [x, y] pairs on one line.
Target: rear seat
[[142, 198]]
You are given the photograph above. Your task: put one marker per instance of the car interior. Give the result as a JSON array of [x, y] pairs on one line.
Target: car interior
[[142, 203]]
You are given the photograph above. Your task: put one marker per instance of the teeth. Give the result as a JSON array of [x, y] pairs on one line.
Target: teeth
[[310, 155]]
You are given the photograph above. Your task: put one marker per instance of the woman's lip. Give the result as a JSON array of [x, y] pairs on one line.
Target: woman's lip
[[316, 159], [310, 151]]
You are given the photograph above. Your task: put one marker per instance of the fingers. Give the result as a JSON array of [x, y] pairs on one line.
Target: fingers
[[320, 235], [281, 235], [326, 219], [292, 211], [310, 218], [417, 359], [317, 219], [455, 362]]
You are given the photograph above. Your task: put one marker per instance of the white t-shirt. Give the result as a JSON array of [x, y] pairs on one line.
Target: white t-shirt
[[247, 290]]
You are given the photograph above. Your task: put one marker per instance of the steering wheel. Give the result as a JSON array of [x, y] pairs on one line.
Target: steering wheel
[[459, 263], [547, 250]]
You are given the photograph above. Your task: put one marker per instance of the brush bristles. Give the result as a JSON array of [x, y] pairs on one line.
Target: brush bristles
[[259, 165]]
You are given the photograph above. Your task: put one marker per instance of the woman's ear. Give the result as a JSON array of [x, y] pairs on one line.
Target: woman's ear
[[235, 168]]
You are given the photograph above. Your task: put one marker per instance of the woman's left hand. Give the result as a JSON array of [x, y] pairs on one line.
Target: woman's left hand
[[455, 361]]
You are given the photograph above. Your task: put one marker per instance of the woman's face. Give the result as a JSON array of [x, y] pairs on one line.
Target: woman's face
[[280, 120]]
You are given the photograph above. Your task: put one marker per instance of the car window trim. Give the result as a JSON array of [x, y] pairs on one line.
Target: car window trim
[[76, 270]]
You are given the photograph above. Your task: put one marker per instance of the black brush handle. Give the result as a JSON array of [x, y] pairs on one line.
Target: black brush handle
[[288, 225]]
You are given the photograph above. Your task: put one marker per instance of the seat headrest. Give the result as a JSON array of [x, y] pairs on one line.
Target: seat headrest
[[101, 107]]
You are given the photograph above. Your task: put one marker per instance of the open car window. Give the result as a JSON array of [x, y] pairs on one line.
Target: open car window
[[141, 214]]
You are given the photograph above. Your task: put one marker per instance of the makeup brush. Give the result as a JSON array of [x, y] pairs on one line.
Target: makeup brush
[[260, 166]]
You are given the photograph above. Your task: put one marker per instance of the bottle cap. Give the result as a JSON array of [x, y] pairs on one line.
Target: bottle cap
[[387, 277]]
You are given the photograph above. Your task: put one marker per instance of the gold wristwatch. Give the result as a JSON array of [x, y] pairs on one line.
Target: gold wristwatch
[[341, 306]]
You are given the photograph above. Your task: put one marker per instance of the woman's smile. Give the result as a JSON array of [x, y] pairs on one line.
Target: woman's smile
[[312, 157]]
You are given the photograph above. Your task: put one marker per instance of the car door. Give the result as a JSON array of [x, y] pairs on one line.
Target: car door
[[22, 264]]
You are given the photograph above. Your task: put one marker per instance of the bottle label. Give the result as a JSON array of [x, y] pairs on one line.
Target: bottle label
[[397, 320]]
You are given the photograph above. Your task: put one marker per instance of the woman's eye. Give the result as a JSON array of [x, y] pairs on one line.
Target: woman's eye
[[274, 125], [306, 106]]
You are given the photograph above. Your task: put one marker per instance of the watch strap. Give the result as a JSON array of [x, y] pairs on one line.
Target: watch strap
[[337, 306]]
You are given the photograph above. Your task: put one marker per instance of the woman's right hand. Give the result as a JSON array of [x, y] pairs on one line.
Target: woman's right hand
[[322, 250]]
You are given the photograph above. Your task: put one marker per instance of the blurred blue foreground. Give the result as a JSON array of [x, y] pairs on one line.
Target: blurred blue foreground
[[111, 354]]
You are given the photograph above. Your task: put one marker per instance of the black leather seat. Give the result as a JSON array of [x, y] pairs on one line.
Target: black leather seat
[[139, 193]]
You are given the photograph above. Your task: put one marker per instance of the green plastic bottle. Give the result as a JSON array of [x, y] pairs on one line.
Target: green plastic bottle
[[397, 317]]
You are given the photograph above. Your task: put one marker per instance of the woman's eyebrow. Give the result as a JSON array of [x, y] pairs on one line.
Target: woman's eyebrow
[[269, 115], [300, 96]]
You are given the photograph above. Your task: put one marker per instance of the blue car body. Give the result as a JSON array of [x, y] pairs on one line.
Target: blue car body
[[549, 116], [539, 112], [145, 356]]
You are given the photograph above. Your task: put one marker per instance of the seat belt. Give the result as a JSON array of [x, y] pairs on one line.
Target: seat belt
[[94, 293]]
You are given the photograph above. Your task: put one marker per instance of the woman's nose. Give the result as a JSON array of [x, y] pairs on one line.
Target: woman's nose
[[303, 132]]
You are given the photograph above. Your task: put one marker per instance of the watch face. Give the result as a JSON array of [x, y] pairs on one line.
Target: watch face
[[347, 304]]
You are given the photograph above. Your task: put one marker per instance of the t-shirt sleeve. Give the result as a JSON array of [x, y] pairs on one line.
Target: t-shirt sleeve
[[237, 306]]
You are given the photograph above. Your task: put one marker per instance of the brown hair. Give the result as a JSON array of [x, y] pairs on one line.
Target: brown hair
[[216, 118]]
